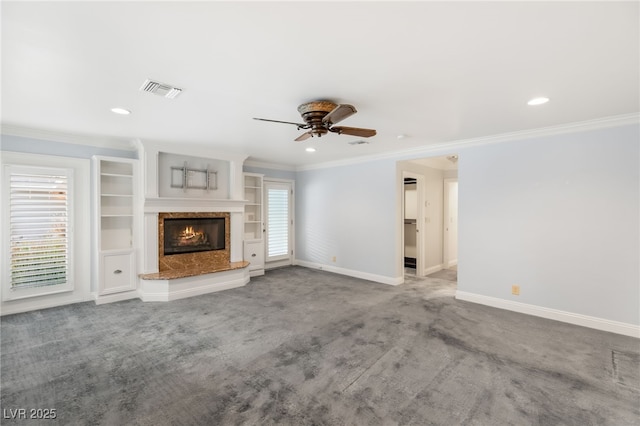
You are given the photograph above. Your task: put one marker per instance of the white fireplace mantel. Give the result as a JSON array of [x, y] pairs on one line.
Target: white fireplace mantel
[[182, 205]]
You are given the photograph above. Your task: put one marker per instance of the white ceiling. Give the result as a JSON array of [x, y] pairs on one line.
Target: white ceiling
[[433, 71]]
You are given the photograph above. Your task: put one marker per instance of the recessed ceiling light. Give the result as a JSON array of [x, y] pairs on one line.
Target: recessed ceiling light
[[310, 149], [401, 136], [121, 111], [538, 101]]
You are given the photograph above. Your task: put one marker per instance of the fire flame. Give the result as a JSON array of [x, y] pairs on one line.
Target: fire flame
[[189, 232]]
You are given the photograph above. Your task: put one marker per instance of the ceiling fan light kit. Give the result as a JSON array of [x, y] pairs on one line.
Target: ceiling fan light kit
[[319, 118]]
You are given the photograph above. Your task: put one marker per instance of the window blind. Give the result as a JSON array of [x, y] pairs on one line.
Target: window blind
[[39, 229], [278, 222]]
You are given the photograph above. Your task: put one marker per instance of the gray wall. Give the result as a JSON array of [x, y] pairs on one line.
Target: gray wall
[[47, 147], [557, 215], [348, 212]]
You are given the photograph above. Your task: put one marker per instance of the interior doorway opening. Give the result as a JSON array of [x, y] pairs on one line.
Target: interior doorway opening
[[412, 248], [429, 215]]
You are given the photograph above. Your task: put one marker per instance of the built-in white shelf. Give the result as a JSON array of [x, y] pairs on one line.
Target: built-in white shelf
[[115, 205], [253, 223]]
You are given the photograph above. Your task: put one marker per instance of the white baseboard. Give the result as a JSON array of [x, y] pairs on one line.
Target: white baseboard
[[554, 314], [451, 263], [433, 269], [277, 264], [116, 297], [351, 273], [6, 308]]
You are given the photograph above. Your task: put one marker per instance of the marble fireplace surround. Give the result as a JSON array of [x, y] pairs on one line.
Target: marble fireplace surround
[[192, 274], [193, 264]]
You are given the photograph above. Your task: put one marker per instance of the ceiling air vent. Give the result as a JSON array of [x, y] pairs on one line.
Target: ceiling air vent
[[358, 142], [160, 89]]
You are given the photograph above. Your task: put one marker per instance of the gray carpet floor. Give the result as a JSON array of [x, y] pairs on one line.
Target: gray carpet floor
[[300, 346], [450, 274]]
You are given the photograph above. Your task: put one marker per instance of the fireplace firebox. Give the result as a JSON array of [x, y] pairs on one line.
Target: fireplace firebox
[[191, 235]]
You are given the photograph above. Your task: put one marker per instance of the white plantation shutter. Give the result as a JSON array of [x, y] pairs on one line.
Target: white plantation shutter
[[277, 221], [39, 227]]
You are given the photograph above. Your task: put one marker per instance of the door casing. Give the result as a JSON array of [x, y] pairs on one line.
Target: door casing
[[287, 260]]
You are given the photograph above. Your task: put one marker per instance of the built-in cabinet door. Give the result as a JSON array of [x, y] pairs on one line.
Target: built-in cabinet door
[[117, 272], [254, 254]]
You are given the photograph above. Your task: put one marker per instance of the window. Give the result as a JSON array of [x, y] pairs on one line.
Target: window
[[39, 215]]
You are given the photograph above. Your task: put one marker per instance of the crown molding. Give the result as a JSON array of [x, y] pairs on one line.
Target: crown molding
[[271, 166], [443, 148], [111, 142]]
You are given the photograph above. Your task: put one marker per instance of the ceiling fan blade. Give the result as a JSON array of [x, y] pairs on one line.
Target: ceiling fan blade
[[353, 131], [303, 137], [300, 125], [339, 113]]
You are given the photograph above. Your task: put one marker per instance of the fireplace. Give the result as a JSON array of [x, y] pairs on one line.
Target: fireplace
[[193, 240], [192, 235]]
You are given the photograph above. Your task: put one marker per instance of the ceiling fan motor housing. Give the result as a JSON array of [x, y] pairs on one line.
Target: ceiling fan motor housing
[[319, 118], [313, 113]]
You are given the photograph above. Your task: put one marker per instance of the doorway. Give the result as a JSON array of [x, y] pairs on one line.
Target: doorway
[[429, 215], [412, 212], [278, 200]]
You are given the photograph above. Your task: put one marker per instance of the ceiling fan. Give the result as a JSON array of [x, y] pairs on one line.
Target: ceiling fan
[[320, 116]]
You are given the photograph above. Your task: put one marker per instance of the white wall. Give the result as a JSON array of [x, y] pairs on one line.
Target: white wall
[[558, 216], [166, 161]]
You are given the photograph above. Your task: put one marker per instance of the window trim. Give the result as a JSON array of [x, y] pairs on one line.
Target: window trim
[[84, 262], [9, 293]]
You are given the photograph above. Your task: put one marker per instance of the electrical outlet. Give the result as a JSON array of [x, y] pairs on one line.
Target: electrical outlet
[[515, 290], [333, 259]]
